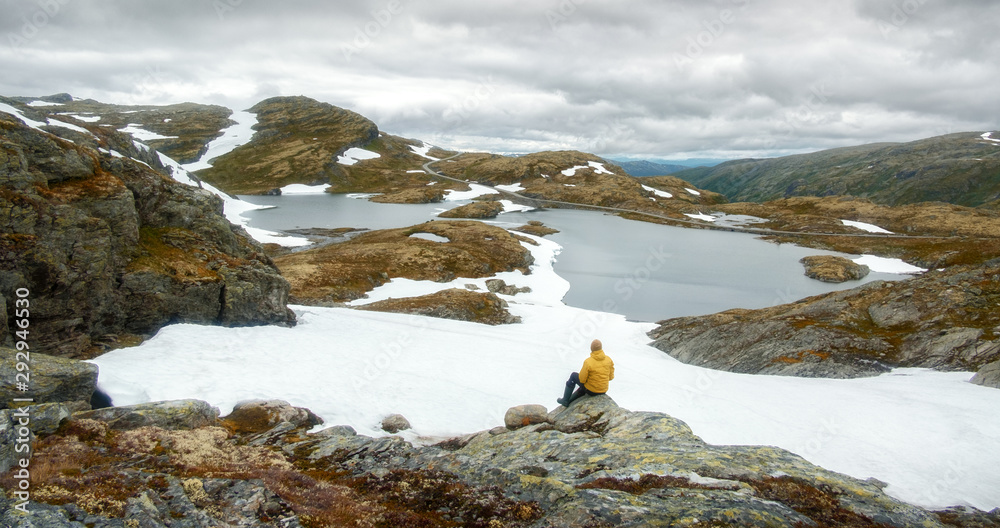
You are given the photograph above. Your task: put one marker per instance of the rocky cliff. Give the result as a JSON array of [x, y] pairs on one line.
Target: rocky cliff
[[176, 464], [946, 319], [111, 249]]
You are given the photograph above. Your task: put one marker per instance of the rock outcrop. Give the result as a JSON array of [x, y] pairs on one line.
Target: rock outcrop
[[591, 464], [453, 303], [988, 375], [828, 268], [477, 210], [176, 414], [108, 247], [345, 271], [52, 379], [945, 320]]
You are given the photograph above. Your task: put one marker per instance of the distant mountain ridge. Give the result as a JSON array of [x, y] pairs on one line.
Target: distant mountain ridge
[[961, 169], [642, 168]]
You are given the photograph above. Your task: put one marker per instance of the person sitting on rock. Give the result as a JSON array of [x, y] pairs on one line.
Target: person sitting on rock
[[593, 377]]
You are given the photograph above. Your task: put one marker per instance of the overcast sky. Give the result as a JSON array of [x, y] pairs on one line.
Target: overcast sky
[[657, 78]]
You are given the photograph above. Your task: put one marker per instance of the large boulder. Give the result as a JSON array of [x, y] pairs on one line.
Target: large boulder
[[52, 379], [525, 415], [988, 376], [258, 416], [829, 268], [170, 415]]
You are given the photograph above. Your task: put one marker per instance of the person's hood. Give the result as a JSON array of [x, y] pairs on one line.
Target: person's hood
[[598, 355]]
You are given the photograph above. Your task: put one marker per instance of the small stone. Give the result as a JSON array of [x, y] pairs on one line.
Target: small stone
[[525, 415], [395, 423]]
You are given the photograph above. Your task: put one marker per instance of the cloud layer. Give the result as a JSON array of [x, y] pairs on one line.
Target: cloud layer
[[681, 78]]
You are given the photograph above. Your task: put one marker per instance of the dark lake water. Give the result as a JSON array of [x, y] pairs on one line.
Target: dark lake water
[[644, 271]]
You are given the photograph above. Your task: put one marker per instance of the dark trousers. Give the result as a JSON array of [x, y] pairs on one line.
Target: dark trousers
[[574, 383]]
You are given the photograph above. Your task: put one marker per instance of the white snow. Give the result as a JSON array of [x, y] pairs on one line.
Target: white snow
[[572, 170], [475, 191], [866, 227], [430, 236], [887, 265], [702, 216], [934, 437], [354, 155], [361, 196], [84, 118], [298, 188], [239, 134], [661, 194], [44, 103], [598, 168], [511, 207], [516, 187], [142, 134], [37, 125], [74, 128], [418, 171], [422, 151], [987, 137], [692, 192]]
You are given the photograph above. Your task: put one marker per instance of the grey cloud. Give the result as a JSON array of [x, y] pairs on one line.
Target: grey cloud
[[622, 77]]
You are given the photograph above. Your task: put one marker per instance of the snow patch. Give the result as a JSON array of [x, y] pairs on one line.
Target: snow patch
[[423, 150], [866, 227], [987, 137], [661, 194], [354, 155], [84, 118], [692, 192], [702, 216], [511, 207], [44, 103], [475, 191], [887, 265], [572, 170], [232, 137], [142, 134], [516, 187]]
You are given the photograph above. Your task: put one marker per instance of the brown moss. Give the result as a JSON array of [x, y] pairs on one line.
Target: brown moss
[[820, 505], [642, 485]]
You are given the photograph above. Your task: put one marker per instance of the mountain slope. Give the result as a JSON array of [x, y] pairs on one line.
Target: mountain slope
[[962, 169]]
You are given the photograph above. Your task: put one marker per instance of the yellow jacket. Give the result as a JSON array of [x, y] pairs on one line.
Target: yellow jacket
[[597, 371]]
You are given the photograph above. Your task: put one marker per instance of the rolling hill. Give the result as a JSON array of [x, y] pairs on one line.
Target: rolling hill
[[961, 169]]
